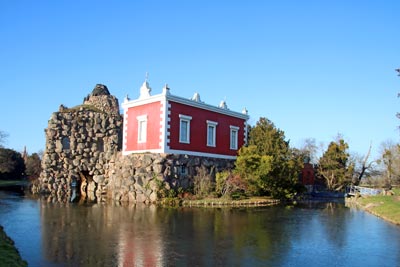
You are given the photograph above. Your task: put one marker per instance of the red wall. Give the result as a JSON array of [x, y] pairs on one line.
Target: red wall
[[153, 113], [198, 130], [307, 174]]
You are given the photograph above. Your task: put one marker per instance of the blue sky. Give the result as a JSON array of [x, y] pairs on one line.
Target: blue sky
[[314, 68]]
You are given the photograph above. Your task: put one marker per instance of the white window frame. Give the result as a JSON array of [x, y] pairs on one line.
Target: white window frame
[[142, 128], [211, 140], [233, 144], [184, 137]]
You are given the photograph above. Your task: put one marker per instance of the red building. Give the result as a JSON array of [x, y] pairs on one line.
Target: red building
[[307, 174], [166, 123]]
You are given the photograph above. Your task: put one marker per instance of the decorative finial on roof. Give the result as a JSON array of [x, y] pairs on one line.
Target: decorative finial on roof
[[223, 104], [196, 97], [398, 70], [165, 90], [244, 111], [126, 99], [145, 89]]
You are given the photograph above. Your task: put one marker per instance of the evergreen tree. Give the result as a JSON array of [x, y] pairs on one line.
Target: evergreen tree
[[268, 164], [334, 166], [254, 169]]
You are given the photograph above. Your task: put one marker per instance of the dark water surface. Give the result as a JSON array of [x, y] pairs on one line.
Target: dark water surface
[[314, 234]]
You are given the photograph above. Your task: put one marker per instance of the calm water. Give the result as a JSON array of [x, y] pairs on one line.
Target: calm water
[[319, 234]]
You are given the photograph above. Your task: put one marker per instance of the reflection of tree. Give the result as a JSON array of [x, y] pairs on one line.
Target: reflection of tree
[[228, 237]]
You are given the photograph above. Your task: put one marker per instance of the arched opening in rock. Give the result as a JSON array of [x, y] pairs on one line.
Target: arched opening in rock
[[75, 189]]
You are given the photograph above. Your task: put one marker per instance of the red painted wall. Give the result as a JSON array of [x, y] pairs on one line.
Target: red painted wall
[[198, 130], [307, 174], [153, 112]]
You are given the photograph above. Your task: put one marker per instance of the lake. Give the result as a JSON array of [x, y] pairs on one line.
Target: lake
[[310, 234]]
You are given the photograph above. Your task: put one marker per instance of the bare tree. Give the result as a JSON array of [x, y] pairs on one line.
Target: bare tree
[[310, 149], [363, 166], [390, 162], [3, 137]]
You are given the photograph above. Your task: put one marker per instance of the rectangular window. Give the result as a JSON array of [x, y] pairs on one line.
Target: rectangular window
[[142, 128], [211, 133], [184, 129], [183, 170], [234, 137]]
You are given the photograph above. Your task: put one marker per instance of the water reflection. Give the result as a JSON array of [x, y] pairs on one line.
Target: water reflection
[[101, 235], [312, 234]]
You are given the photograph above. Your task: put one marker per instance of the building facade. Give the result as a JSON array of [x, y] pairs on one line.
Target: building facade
[[165, 123]]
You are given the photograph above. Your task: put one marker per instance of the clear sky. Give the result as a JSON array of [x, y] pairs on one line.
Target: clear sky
[[314, 68]]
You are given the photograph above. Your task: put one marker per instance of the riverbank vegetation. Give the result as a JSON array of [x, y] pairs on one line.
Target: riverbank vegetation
[[385, 206], [9, 255], [269, 167], [16, 167]]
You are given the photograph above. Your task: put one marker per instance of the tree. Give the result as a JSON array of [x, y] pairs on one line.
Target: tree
[[230, 184], [33, 166], [363, 167], [254, 169], [12, 165], [390, 160], [310, 149], [269, 140], [3, 137], [334, 166], [268, 164]]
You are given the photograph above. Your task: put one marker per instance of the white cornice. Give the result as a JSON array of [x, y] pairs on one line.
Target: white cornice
[[138, 102], [185, 101], [205, 106]]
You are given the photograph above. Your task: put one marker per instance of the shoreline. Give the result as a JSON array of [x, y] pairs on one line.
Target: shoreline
[[384, 207], [9, 255], [221, 202]]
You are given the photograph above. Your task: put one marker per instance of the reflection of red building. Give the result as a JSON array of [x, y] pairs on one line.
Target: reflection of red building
[[307, 176], [166, 123]]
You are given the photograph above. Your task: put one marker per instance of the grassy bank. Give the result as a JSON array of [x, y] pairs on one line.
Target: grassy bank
[[12, 182], [385, 207], [9, 255]]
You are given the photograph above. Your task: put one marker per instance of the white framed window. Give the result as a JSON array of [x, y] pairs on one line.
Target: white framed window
[[142, 128], [234, 131], [184, 128], [211, 133]]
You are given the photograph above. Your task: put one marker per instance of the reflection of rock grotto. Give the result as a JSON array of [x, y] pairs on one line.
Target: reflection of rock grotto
[[83, 159]]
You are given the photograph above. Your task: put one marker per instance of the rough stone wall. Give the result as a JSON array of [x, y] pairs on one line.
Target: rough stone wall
[[106, 103], [79, 145], [139, 177]]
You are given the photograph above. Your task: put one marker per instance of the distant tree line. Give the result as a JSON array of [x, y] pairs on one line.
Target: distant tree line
[[15, 166]]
